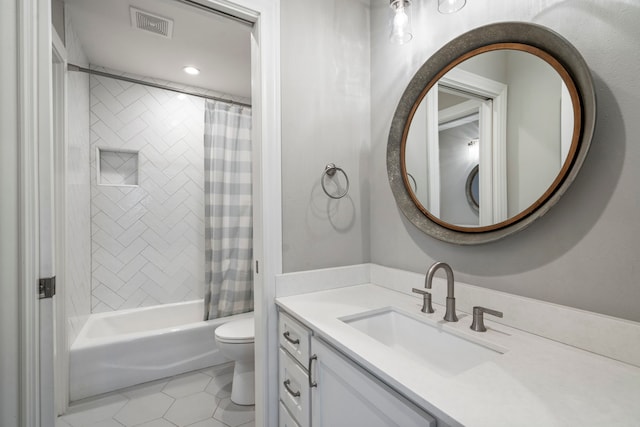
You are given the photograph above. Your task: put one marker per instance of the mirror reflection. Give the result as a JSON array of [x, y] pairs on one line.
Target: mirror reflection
[[472, 189], [505, 113]]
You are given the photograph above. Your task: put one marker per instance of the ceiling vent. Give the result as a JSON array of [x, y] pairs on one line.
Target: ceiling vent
[[152, 23]]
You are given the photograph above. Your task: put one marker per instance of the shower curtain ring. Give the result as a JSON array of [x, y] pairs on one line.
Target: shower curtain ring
[[330, 171]]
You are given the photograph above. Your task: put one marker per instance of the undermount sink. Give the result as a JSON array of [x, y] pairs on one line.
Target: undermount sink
[[445, 352]]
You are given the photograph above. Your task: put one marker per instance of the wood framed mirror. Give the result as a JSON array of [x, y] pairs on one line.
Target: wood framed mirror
[[516, 99]]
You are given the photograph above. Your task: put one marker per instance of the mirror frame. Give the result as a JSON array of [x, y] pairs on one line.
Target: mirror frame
[[532, 38]]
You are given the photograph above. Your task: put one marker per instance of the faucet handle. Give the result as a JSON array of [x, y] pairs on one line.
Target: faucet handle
[[426, 300], [478, 318]]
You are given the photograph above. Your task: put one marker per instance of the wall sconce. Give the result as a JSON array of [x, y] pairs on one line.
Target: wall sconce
[[450, 6], [400, 21], [474, 150]]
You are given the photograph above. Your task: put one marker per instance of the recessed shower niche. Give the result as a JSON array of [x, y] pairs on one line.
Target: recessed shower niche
[[117, 167]]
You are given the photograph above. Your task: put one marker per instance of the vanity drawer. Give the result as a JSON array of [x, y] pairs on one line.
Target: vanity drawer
[[294, 338], [294, 389], [285, 418]]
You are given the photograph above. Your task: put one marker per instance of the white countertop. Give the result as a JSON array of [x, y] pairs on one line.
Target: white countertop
[[536, 382]]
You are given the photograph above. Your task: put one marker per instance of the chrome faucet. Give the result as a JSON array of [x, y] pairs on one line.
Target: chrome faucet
[[450, 314]]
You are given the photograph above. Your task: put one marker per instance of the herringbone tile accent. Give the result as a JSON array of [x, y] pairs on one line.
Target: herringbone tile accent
[[147, 241], [77, 284]]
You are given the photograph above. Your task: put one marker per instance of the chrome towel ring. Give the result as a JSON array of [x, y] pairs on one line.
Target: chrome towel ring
[[330, 170], [414, 184]]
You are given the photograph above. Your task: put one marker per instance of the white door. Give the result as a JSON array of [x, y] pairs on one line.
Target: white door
[[59, 138], [47, 270], [347, 396], [34, 223], [47, 227]]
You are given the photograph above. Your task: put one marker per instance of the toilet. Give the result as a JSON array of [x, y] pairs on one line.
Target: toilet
[[235, 341]]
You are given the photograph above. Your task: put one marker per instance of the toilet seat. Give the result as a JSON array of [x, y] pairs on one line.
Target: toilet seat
[[237, 332]]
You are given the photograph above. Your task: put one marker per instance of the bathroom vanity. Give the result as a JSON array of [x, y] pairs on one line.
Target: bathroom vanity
[[340, 391], [365, 355]]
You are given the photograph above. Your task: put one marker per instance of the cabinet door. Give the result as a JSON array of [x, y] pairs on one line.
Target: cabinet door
[[348, 396]]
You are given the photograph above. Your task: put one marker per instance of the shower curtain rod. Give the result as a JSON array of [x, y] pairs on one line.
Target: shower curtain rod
[[221, 13], [72, 67]]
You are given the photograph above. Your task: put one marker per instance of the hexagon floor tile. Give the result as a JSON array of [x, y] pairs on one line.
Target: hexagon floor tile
[[195, 399]]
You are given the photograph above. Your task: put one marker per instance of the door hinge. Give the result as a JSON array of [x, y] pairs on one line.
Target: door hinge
[[47, 287], [257, 268]]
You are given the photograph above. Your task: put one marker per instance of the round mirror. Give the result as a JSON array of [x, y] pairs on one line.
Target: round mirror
[[509, 108]]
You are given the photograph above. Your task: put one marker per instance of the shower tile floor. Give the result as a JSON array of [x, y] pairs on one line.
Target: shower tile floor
[[195, 399]]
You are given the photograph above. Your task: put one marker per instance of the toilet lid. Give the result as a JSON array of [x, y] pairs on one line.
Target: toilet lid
[[242, 330]]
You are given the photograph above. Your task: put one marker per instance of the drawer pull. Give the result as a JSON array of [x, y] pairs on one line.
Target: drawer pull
[[289, 389], [311, 382], [291, 340]]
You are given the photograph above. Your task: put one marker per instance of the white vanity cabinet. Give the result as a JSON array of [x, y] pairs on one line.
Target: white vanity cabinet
[[345, 395], [328, 389], [293, 375]]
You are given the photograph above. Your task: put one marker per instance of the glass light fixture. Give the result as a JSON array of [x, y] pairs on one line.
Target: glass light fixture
[[191, 70], [450, 6], [400, 21], [474, 150]]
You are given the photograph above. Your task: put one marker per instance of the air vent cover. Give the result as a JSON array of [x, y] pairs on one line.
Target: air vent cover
[[151, 22]]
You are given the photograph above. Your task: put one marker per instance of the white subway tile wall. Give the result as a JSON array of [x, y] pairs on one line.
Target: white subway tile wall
[[118, 168], [77, 286], [147, 241]]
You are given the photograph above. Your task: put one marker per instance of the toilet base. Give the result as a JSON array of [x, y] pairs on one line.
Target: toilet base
[[243, 386]]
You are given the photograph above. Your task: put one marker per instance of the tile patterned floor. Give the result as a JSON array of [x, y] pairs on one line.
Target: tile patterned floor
[[196, 399]]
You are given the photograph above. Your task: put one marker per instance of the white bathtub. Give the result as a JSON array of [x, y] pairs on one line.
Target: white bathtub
[[123, 348]]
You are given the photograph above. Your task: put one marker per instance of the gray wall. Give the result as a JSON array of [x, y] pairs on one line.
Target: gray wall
[[533, 130], [585, 252], [57, 18], [416, 154], [492, 65], [325, 119]]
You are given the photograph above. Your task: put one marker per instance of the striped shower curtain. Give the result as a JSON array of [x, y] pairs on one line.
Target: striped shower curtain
[[228, 210]]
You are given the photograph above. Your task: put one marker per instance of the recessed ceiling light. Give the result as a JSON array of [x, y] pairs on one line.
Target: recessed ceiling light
[[191, 70]]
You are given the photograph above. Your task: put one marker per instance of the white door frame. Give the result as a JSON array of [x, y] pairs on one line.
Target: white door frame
[[34, 48], [267, 222], [433, 153], [33, 24], [59, 116], [46, 214], [18, 221], [493, 156], [10, 219]]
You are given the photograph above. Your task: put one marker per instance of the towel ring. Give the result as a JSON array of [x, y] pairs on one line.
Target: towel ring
[[414, 187], [330, 170]]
